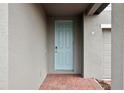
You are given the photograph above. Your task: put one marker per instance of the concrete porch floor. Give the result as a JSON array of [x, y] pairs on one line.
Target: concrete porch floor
[[68, 82]]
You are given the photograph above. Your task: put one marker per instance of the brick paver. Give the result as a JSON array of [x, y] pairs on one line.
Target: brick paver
[[69, 82]]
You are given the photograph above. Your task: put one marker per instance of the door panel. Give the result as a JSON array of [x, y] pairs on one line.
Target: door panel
[[63, 45]]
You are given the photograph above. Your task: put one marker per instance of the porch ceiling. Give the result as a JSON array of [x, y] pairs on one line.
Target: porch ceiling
[[73, 9], [64, 9]]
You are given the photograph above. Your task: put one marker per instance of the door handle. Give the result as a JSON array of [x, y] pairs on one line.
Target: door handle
[[56, 47]]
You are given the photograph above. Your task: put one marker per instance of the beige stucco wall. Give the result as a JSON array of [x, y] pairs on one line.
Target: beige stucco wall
[[77, 45], [27, 46], [3, 46], [93, 44]]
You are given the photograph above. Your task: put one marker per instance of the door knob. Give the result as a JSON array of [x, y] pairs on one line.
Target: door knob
[[56, 49]]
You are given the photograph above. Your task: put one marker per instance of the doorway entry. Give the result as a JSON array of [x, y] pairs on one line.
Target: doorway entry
[[64, 45]]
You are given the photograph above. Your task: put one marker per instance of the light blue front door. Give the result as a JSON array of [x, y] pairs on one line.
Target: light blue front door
[[64, 45]]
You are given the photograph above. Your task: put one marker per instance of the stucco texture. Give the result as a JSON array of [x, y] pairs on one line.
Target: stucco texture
[[3, 46], [27, 46], [93, 44]]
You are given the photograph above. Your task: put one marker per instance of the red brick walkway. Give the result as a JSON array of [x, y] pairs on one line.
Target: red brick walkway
[[68, 82]]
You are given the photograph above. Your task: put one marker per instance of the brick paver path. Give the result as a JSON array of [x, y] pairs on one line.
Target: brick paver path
[[69, 82]]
